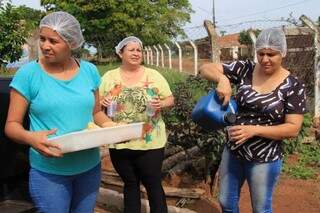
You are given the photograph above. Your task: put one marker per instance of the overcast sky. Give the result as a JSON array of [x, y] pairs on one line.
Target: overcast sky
[[235, 15]]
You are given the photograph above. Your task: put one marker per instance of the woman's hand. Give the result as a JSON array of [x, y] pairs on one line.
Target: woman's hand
[[214, 72], [224, 90], [39, 141], [106, 100], [111, 124], [241, 133], [156, 103]]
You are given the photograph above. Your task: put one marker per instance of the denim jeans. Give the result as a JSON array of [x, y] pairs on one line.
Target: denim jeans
[[63, 194], [261, 178]]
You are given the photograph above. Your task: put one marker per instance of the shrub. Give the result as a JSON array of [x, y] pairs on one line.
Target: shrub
[[292, 145], [185, 133]]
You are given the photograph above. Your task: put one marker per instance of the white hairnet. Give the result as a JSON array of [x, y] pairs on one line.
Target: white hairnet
[[66, 25], [273, 38], [125, 41]]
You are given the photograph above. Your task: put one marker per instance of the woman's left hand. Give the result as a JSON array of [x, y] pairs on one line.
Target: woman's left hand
[[241, 133], [156, 103]]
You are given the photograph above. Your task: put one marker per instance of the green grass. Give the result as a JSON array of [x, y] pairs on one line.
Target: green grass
[[106, 67], [172, 76], [5, 72], [308, 164]]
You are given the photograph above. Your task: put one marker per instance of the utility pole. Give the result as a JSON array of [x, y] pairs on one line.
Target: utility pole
[[213, 15]]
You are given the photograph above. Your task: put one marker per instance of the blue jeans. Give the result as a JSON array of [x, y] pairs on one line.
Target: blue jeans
[[63, 194], [261, 178]]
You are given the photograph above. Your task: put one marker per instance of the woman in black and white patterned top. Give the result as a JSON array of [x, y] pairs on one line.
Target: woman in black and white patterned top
[[271, 102]]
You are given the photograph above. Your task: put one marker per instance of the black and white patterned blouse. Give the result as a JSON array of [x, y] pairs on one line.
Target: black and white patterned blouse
[[267, 109]]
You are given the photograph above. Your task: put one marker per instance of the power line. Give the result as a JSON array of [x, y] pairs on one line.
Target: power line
[[204, 10], [255, 21], [195, 27], [265, 11]]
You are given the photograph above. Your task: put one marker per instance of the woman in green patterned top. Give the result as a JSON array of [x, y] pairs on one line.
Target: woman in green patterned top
[[137, 94]]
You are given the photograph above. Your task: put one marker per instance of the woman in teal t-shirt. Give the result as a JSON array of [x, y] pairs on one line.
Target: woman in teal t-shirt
[[60, 93]]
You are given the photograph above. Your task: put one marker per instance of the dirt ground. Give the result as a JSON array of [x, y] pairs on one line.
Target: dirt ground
[[290, 196]]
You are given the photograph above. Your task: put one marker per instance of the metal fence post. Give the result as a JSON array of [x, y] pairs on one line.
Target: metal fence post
[[235, 54], [180, 56], [157, 55], [169, 56], [195, 57], [162, 56], [315, 28], [151, 56], [147, 55]]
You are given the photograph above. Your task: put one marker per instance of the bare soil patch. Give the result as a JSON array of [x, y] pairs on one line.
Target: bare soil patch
[[291, 195]]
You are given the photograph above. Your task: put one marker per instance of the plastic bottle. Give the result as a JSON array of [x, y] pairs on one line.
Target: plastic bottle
[[150, 110], [112, 109]]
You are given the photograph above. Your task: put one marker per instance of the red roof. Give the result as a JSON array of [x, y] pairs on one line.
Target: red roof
[[230, 40]]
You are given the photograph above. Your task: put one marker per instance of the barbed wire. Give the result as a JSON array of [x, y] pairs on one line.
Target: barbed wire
[[199, 32], [194, 33], [283, 21], [266, 11]]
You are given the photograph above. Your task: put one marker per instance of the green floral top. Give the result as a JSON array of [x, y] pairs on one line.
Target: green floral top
[[132, 104]]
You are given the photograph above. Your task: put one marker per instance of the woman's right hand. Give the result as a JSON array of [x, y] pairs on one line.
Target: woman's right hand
[[106, 100], [224, 90], [214, 72], [112, 124], [39, 141]]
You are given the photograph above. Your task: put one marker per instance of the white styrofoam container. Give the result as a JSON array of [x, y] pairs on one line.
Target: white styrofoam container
[[87, 139]]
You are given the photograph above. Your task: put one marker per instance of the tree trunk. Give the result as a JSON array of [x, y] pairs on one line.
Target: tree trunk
[[178, 157]]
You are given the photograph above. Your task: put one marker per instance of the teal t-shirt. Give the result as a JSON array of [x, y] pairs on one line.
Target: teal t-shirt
[[65, 105]]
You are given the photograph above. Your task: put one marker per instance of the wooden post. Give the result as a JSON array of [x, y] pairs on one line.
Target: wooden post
[[254, 40], [213, 36], [316, 31]]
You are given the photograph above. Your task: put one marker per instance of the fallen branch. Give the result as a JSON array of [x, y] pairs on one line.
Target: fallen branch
[[169, 191], [113, 199], [178, 157], [171, 150]]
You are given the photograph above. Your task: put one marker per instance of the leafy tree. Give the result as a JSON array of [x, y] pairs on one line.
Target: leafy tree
[[223, 32], [12, 34], [245, 37], [30, 16], [105, 22]]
